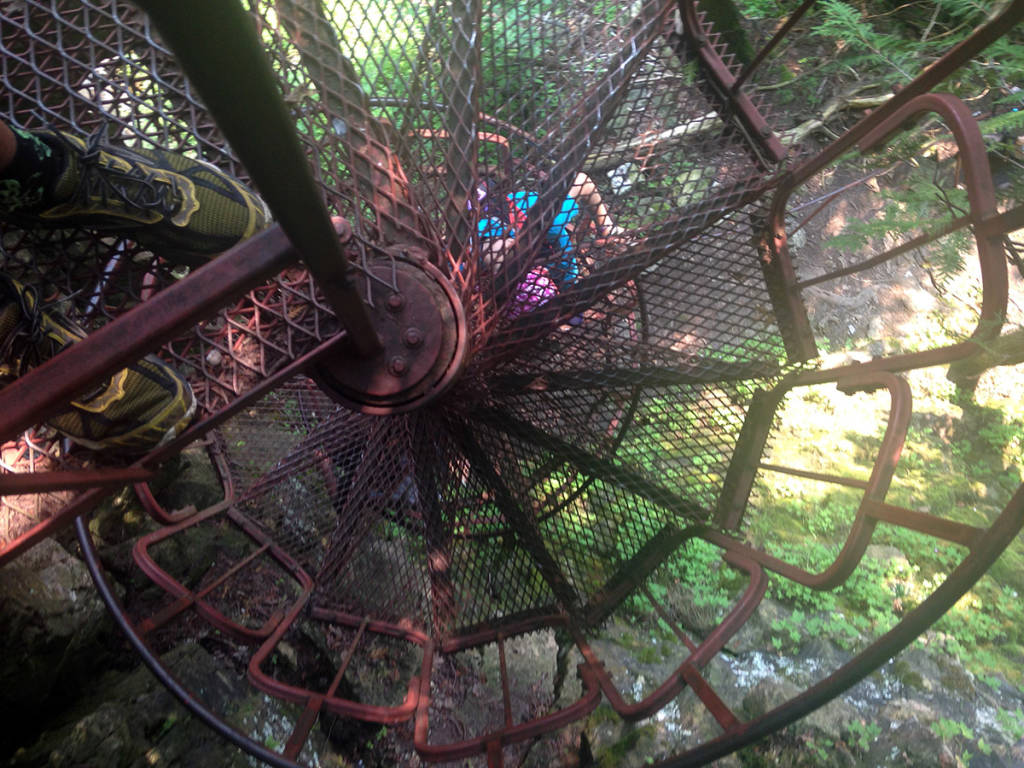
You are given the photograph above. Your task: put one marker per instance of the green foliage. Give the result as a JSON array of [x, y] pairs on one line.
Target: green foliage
[[1012, 723], [921, 203], [271, 743], [700, 569], [862, 734], [377, 737], [948, 730], [169, 722], [789, 628], [866, 47], [616, 754], [697, 567], [966, 479], [520, 88], [821, 748], [877, 39], [1011, 122], [382, 50], [870, 46], [763, 9], [1000, 65]]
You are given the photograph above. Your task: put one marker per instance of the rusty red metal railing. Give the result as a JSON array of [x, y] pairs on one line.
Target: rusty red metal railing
[[42, 392], [185, 598], [492, 742], [688, 672], [868, 135], [745, 465], [734, 99], [45, 389], [568, 452], [1007, 526]]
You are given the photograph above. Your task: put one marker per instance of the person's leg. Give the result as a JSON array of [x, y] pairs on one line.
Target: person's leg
[[585, 191], [8, 145], [560, 239], [157, 198], [492, 252], [136, 409]]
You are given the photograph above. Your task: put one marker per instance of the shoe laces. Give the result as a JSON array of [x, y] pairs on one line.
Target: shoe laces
[[137, 186], [21, 345], [26, 345]]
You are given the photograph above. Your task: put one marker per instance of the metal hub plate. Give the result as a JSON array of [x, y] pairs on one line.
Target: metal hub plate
[[422, 328]]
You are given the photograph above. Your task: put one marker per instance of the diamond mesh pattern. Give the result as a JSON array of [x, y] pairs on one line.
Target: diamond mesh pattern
[[590, 413], [592, 183]]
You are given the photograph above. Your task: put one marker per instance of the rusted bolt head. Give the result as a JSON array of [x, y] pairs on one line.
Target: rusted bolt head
[[397, 366], [766, 131], [396, 301], [412, 337]]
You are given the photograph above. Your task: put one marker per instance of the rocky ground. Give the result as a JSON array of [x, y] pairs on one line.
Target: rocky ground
[[72, 693]]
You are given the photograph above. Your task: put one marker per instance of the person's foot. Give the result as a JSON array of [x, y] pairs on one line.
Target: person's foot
[[138, 408], [180, 208]]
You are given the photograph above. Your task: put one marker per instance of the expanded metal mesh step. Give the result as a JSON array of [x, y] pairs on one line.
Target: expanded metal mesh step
[[612, 397]]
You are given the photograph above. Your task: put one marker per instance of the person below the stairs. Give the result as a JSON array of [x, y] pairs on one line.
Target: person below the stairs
[[184, 210], [502, 216], [500, 221]]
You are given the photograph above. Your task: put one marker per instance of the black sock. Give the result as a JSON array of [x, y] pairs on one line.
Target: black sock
[[32, 173]]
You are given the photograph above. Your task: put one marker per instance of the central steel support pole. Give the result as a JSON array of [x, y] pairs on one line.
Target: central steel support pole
[[216, 43]]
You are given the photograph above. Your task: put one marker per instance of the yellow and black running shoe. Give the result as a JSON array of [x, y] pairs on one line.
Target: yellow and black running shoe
[[182, 209], [138, 408]]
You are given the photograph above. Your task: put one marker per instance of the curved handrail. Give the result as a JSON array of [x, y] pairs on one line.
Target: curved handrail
[[875, 488], [149, 657], [868, 135], [1002, 531]]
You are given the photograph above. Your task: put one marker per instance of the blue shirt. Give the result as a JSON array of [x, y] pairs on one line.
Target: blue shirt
[[557, 233]]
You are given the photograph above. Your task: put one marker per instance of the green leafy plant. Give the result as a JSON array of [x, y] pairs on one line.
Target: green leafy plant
[[948, 730], [1011, 722], [863, 733], [865, 45]]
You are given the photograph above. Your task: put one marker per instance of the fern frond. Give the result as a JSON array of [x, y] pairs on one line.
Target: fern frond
[[864, 44], [1011, 121]]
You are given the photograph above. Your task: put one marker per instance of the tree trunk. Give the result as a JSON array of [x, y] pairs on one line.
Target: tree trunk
[[725, 17], [1007, 349]]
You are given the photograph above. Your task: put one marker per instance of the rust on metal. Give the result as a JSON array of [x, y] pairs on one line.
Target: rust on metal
[[439, 440], [41, 482], [698, 657], [722, 75], [45, 390], [875, 488], [185, 598], [422, 329]]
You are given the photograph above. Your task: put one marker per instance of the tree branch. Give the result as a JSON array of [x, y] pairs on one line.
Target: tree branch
[[1007, 349], [609, 157], [840, 103]]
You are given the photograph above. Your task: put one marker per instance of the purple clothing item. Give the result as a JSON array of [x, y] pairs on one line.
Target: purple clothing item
[[535, 289]]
